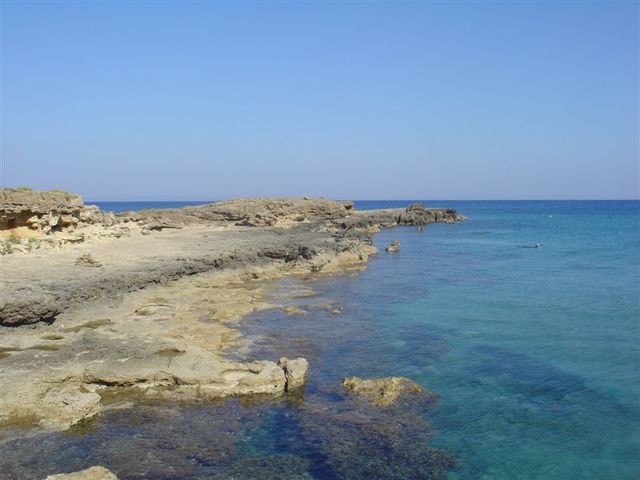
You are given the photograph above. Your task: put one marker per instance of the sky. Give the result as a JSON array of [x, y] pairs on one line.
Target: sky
[[362, 100]]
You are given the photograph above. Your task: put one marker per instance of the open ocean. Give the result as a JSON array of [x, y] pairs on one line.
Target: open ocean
[[535, 353]]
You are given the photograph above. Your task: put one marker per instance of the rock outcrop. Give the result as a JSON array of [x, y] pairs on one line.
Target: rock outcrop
[[187, 373], [45, 211], [418, 214], [31, 219], [138, 311], [22, 202], [30, 294], [415, 214], [253, 212], [295, 372], [382, 391]]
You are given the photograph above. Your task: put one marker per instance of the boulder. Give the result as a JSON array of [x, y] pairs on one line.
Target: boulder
[[295, 372]]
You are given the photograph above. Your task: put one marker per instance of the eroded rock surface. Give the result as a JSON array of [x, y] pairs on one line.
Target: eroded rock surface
[[292, 230], [32, 219], [157, 316], [295, 371], [161, 342]]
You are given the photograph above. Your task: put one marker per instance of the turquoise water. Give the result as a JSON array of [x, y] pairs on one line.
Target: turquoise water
[[534, 352], [540, 375]]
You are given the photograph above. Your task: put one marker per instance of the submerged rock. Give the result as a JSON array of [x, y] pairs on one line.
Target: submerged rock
[[357, 440], [93, 473], [382, 391]]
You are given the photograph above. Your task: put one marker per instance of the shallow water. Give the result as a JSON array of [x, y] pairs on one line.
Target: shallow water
[[534, 352]]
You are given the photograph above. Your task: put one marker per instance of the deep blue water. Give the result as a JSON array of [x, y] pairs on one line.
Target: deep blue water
[[535, 353]]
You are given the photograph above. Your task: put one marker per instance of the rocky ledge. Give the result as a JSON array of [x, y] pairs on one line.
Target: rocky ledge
[[145, 301], [31, 219], [290, 231]]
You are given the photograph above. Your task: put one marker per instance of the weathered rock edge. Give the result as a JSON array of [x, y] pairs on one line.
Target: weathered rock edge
[[290, 235], [192, 373]]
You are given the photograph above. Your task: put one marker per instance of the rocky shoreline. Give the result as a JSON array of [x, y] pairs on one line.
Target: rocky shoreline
[[93, 303]]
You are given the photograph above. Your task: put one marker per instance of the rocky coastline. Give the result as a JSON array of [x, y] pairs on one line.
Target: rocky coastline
[[95, 304]]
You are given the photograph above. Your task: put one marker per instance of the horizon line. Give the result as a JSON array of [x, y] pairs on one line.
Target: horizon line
[[390, 199]]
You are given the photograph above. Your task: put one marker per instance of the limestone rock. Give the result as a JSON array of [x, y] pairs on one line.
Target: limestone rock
[[383, 391], [55, 406], [93, 473], [192, 369], [28, 215], [14, 199], [295, 372], [418, 214], [415, 214]]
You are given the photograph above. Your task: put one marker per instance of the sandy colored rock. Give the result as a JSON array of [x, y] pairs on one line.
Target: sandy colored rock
[[382, 391], [295, 372], [93, 473], [195, 369], [156, 342], [39, 201]]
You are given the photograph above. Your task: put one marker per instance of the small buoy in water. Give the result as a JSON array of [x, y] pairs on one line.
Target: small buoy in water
[[393, 247], [535, 245]]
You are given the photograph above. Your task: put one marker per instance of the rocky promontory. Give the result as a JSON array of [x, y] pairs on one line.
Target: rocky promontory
[[94, 302]]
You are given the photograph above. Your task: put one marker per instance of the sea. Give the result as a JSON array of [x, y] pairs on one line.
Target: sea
[[522, 324]]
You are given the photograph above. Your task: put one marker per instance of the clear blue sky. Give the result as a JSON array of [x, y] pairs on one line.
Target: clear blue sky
[[437, 100]]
